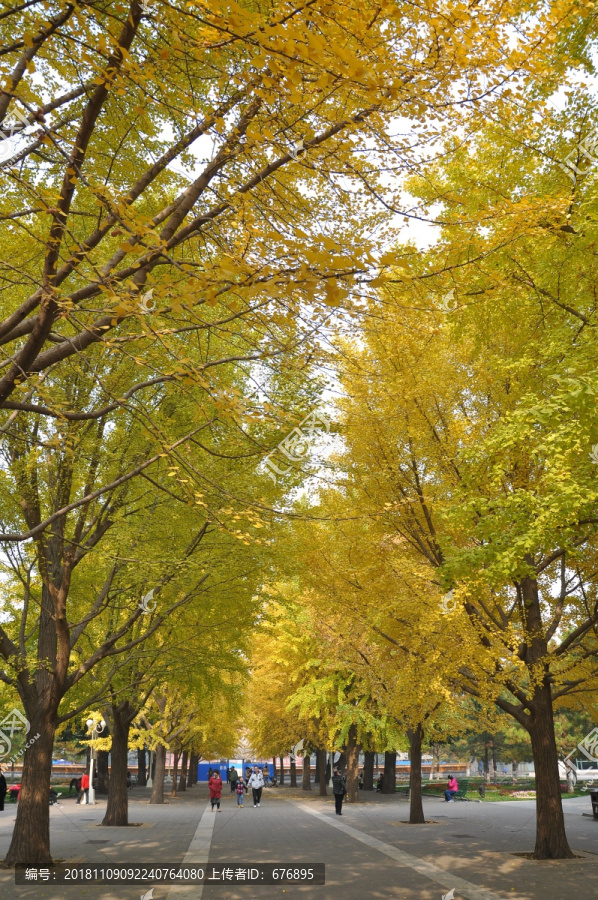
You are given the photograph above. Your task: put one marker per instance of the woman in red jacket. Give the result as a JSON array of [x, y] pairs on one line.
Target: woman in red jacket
[[215, 786]]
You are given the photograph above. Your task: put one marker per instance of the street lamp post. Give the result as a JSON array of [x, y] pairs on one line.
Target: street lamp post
[[95, 728]]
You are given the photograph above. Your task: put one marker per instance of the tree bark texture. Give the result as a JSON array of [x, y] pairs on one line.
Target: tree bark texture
[[158, 776], [306, 777], [352, 757], [117, 809], [141, 769], [184, 766], [103, 772], [368, 771], [322, 772], [390, 773], [416, 806]]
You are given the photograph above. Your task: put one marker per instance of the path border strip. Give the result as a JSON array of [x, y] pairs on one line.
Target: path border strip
[[441, 876], [198, 854]]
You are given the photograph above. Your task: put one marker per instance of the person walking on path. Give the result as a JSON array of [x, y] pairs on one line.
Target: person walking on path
[[3, 789], [241, 790], [233, 780], [256, 783], [453, 788], [84, 789], [215, 786], [266, 774], [339, 789]]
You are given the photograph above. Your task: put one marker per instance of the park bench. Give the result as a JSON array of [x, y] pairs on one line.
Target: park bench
[[461, 793]]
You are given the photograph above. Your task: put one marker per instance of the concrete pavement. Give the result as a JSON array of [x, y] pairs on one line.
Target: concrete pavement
[[369, 851]]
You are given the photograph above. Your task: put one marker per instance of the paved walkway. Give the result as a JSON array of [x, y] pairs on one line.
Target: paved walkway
[[369, 852]]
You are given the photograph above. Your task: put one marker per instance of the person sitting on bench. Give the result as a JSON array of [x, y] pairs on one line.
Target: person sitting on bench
[[453, 788]]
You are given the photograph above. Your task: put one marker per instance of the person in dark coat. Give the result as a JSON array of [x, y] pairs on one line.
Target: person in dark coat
[[339, 790], [2, 789]]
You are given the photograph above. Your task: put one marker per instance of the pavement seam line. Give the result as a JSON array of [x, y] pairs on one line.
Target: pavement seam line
[[198, 854], [445, 879]]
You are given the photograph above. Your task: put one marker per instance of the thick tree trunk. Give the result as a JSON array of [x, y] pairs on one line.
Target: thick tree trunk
[[30, 844], [352, 766], [183, 778], [306, 776], [175, 774], [117, 809], [293, 773], [368, 771], [103, 772], [416, 806], [317, 769], [551, 837], [390, 773], [281, 778], [321, 754], [192, 767], [141, 770], [158, 775]]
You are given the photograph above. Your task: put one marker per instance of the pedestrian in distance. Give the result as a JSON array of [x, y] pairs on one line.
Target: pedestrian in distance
[[233, 777], [453, 788], [339, 789], [84, 789], [380, 783], [3, 789], [256, 783], [215, 786], [241, 790], [247, 774], [266, 774]]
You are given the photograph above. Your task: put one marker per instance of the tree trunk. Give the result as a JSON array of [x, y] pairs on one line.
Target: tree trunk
[[551, 837], [103, 772], [183, 778], [141, 770], [368, 771], [158, 775], [117, 809], [175, 774], [30, 844], [416, 806], [390, 773], [321, 754], [293, 773], [352, 766], [515, 768], [306, 777], [281, 779], [317, 769], [192, 768]]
